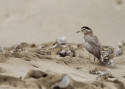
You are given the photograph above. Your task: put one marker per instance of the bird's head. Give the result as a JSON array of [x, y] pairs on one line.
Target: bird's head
[[85, 30]]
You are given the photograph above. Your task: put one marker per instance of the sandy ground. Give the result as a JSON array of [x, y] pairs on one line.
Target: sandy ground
[[30, 66], [43, 21]]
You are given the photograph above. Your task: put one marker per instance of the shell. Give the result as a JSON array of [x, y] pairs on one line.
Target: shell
[[61, 40], [63, 82], [1, 49]]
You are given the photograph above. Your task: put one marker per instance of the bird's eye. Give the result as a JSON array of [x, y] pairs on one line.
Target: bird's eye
[[82, 29]]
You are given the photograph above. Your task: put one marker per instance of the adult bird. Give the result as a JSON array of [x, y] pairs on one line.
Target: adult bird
[[91, 43]]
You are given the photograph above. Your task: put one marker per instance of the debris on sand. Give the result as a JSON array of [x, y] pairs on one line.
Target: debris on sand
[[35, 74], [120, 50], [63, 82], [17, 48], [67, 51], [43, 51], [108, 54], [64, 53], [105, 75], [2, 50], [79, 45], [61, 54], [49, 80], [102, 73], [36, 79], [97, 70], [61, 40], [23, 55]]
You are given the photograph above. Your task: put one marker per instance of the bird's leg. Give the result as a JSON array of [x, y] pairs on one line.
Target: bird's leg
[[89, 60], [89, 56], [94, 61]]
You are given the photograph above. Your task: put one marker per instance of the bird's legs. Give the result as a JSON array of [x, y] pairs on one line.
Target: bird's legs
[[89, 60], [94, 60]]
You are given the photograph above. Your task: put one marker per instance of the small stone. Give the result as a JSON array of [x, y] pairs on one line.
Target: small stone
[[118, 52], [1, 49], [61, 40]]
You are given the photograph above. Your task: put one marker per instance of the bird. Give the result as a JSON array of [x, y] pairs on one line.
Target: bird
[[91, 43]]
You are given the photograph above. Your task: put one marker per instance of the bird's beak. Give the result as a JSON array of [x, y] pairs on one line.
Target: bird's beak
[[78, 31]]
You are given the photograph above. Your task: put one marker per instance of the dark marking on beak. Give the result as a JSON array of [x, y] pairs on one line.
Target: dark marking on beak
[[78, 31]]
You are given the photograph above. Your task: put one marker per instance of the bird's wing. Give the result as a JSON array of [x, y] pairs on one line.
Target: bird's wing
[[92, 39], [92, 44]]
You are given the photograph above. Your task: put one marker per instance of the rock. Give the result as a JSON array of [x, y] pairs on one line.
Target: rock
[[61, 40], [63, 82]]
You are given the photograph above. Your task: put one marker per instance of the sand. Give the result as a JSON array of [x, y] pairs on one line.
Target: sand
[[31, 68], [41, 22]]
